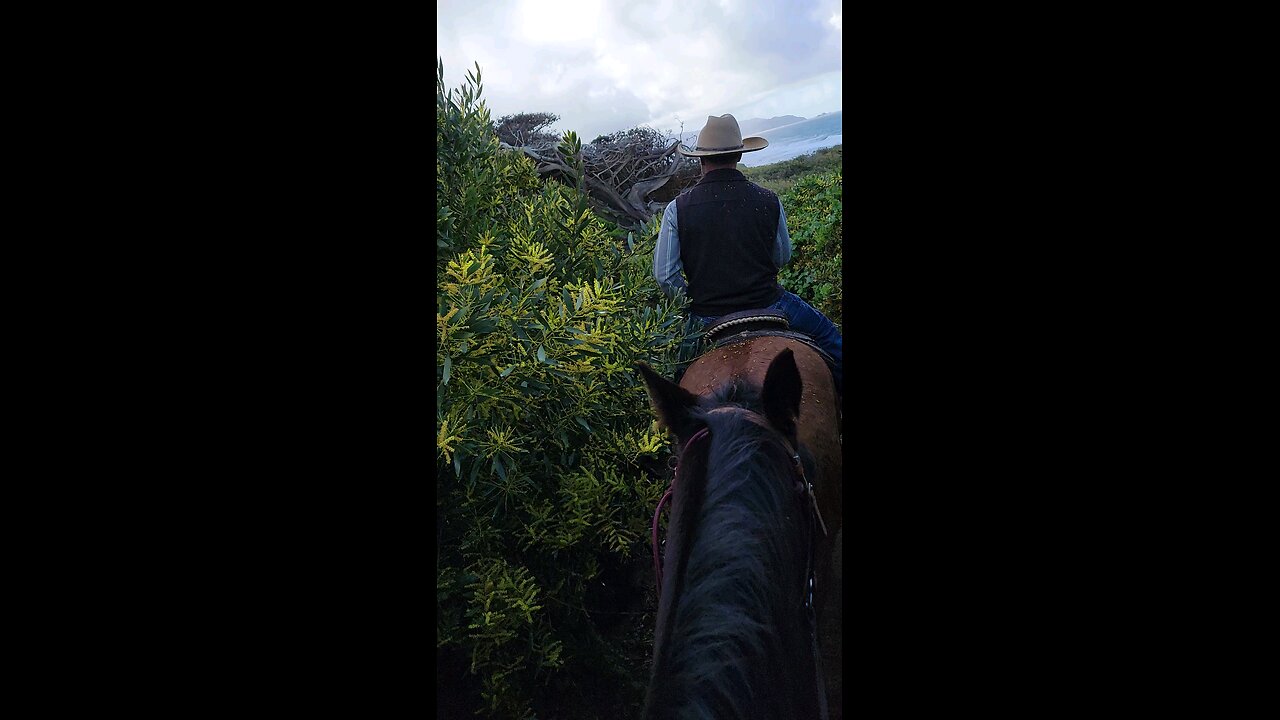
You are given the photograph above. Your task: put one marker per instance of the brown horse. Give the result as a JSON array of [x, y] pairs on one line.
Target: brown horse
[[782, 385]]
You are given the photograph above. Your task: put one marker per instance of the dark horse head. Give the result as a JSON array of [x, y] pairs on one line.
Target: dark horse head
[[733, 636]]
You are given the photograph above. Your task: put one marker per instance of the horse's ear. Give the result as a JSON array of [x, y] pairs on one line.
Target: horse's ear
[[781, 395], [670, 401]]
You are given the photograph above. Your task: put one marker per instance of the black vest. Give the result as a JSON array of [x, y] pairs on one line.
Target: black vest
[[728, 230]]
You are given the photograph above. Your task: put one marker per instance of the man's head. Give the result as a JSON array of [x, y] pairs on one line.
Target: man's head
[[720, 162], [720, 144]]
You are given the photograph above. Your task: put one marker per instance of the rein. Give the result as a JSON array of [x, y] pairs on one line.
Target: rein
[[657, 558]]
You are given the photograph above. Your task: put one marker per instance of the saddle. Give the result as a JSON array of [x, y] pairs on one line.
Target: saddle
[[763, 322], [747, 320]]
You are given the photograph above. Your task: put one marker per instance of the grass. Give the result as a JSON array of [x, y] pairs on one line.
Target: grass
[[780, 176]]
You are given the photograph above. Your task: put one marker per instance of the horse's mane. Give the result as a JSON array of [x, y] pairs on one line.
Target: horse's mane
[[734, 644]]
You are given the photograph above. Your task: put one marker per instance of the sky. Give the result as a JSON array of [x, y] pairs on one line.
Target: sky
[[609, 65]]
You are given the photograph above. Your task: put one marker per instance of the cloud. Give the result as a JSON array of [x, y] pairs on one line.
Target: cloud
[[607, 65]]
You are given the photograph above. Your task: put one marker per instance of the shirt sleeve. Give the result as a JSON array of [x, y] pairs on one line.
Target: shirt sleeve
[[667, 268], [782, 249]]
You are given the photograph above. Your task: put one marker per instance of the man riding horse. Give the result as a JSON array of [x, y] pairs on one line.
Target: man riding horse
[[722, 243], [728, 237]]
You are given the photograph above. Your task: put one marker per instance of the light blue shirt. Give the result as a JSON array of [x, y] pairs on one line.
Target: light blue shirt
[[669, 271]]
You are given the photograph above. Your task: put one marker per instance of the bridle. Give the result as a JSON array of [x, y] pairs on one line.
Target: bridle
[[657, 512], [803, 486]]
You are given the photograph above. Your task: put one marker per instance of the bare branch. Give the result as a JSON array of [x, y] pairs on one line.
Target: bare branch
[[622, 170]]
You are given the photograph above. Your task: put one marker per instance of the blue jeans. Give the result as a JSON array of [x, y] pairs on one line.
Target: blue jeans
[[804, 318]]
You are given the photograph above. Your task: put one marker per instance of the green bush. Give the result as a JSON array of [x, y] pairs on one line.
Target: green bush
[[545, 444], [814, 205]]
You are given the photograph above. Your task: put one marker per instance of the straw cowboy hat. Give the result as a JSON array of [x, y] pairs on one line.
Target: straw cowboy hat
[[721, 136]]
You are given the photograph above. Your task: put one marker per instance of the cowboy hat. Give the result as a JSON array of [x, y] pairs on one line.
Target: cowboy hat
[[721, 136]]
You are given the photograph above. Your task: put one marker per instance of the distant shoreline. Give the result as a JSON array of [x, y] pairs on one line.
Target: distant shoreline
[[787, 150]]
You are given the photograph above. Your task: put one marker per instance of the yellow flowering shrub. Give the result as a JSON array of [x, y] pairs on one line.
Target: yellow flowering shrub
[[548, 462]]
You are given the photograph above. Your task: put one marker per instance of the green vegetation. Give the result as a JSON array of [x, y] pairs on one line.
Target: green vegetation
[[782, 176], [814, 206], [811, 190], [548, 461]]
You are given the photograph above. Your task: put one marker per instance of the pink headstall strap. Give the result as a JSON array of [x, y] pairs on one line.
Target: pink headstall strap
[[657, 559]]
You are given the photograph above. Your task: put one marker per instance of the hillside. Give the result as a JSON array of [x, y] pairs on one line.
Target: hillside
[[781, 176], [755, 125], [799, 138], [811, 190]]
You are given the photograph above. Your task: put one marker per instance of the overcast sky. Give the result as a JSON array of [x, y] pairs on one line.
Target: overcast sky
[[608, 65]]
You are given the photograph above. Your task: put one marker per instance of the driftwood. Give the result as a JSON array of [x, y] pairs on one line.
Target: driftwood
[[638, 192], [619, 178]]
